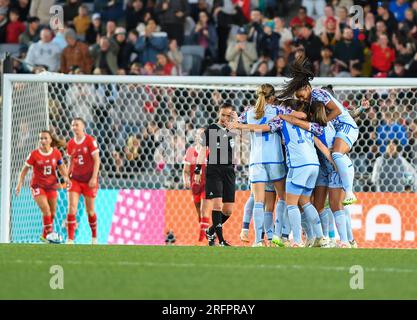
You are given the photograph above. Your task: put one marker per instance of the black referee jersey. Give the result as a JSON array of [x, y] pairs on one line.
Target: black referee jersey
[[220, 172]]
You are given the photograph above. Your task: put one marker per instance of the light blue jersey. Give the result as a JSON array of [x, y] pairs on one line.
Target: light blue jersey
[[327, 138], [328, 135], [345, 126], [266, 147], [299, 143], [328, 175], [320, 95]]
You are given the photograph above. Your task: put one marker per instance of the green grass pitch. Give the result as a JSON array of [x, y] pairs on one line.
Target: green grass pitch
[[145, 272]]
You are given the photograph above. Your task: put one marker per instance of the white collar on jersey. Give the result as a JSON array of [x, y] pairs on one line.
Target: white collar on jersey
[[81, 141], [46, 153]]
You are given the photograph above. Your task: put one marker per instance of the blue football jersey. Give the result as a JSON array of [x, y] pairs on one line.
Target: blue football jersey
[[299, 143], [266, 147], [329, 134], [327, 138]]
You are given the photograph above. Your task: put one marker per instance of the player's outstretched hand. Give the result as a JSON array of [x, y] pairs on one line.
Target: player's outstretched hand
[[232, 125], [17, 190]]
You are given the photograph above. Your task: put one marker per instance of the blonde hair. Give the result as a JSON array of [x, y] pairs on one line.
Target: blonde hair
[[264, 92]]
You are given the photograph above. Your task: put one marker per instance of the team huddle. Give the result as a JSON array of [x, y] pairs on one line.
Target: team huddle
[[80, 177], [299, 141]]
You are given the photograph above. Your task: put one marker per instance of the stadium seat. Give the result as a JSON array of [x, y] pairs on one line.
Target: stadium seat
[[193, 57], [12, 48]]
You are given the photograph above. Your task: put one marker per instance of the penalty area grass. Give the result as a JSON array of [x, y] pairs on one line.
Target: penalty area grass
[[172, 272]]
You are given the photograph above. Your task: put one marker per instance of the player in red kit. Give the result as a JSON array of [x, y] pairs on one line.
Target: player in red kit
[[84, 165], [197, 189], [44, 184]]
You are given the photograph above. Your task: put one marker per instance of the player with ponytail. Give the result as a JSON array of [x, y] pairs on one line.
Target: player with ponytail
[[44, 184]]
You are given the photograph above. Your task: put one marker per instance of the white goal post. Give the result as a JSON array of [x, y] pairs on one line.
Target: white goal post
[[30, 99]]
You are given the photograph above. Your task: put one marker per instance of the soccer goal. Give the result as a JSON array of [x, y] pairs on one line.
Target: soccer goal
[[143, 126]]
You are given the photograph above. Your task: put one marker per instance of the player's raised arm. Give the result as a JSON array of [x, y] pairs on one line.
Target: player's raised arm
[[250, 127], [334, 111], [22, 176], [358, 111], [315, 128]]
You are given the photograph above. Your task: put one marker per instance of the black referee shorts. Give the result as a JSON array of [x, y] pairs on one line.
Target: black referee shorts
[[220, 182]]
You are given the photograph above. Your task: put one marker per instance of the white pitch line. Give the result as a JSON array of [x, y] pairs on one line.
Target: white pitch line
[[206, 265]]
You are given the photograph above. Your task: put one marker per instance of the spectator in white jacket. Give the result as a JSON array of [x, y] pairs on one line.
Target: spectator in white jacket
[[45, 52], [241, 54]]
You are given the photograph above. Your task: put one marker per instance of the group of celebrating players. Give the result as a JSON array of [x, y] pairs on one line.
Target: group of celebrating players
[[80, 175], [299, 137], [299, 140]]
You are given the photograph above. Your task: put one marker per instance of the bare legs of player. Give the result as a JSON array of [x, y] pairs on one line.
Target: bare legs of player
[[74, 198], [46, 208]]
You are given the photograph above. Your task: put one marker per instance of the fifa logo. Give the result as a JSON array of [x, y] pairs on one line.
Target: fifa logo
[[356, 17], [56, 21]]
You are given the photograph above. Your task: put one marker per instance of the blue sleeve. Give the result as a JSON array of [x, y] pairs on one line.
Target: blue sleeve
[[316, 129], [275, 125], [243, 118], [320, 95], [283, 110]]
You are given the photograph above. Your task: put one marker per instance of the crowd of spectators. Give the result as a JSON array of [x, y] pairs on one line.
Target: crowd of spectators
[[138, 37], [153, 37]]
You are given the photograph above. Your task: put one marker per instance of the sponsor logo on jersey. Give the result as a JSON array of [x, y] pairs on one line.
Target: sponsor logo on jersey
[[85, 149]]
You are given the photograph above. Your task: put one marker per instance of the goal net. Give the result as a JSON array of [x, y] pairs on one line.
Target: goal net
[[143, 127]]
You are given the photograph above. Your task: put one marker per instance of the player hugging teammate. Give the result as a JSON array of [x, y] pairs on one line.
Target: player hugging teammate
[[316, 139]]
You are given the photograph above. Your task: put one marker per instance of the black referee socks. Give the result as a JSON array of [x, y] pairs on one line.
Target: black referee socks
[[217, 218]]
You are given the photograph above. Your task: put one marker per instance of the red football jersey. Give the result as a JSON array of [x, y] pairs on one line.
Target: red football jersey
[[44, 168], [81, 153], [191, 159]]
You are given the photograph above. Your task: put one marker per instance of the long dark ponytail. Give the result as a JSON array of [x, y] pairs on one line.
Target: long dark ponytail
[[56, 142], [301, 74]]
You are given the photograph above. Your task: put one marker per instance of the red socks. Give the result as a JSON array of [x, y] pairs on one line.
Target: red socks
[[204, 224], [47, 225], [93, 225], [71, 226]]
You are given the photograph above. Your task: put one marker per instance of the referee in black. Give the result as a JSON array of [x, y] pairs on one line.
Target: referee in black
[[220, 172]]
